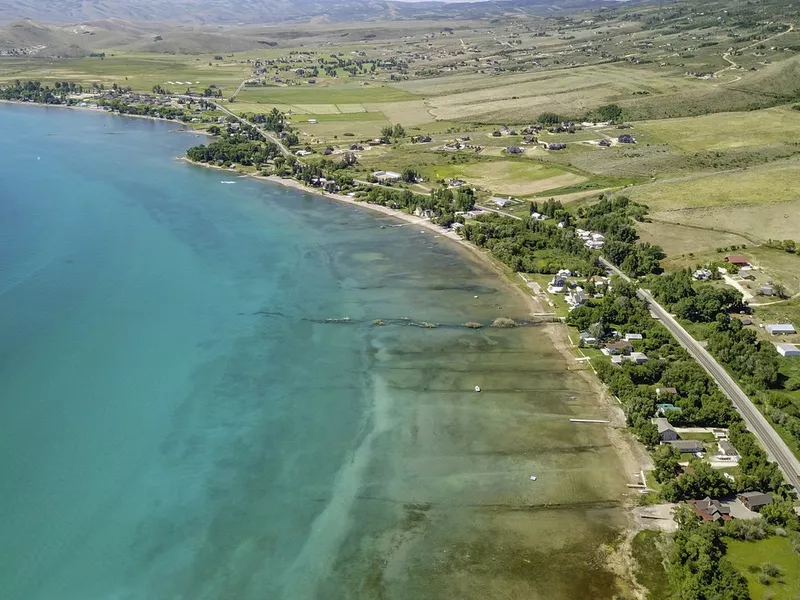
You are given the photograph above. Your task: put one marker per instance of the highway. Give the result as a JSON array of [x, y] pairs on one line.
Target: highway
[[770, 440]]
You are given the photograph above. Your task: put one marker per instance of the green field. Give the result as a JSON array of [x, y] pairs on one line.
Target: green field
[[725, 130], [748, 558], [517, 177], [139, 71]]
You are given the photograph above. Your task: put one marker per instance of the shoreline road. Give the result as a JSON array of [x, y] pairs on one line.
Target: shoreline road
[[756, 423]]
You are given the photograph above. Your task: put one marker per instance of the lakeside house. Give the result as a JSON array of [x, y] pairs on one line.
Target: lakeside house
[[687, 446], [665, 429], [709, 509], [503, 202], [780, 329], [787, 350], [615, 348], [387, 176], [638, 358], [754, 500], [576, 298]]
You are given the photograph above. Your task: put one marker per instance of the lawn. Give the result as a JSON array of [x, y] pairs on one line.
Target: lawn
[[511, 177], [650, 570], [748, 557]]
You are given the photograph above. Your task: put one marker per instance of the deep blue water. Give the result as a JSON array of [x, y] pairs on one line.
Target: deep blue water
[[177, 419]]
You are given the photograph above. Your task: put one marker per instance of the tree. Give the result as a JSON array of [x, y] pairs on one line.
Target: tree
[[780, 514], [780, 290], [666, 460]]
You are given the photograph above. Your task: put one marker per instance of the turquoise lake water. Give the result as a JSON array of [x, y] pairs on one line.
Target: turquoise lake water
[[178, 420]]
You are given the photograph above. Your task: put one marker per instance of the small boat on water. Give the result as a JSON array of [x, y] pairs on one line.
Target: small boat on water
[[477, 388], [533, 477]]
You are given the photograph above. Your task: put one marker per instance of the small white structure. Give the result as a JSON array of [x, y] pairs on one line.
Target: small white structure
[[702, 275], [787, 349], [630, 337], [503, 202], [780, 329], [312, 121], [303, 153]]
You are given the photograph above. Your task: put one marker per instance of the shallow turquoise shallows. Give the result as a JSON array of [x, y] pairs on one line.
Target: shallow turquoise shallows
[[185, 416]]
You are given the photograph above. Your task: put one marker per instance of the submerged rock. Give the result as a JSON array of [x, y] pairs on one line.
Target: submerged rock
[[473, 325], [504, 322]]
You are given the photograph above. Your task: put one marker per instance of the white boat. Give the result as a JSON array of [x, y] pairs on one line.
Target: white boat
[[533, 477], [477, 388]]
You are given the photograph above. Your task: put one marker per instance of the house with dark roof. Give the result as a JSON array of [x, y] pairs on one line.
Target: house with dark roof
[[614, 348], [687, 446], [709, 509], [665, 430], [755, 500], [726, 448]]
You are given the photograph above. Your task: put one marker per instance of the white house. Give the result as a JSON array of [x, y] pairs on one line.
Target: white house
[[312, 121], [630, 337], [787, 349], [503, 202], [576, 298]]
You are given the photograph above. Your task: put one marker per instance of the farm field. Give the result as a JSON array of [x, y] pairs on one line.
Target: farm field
[[749, 557], [570, 92], [516, 178], [324, 95], [680, 241], [141, 71]]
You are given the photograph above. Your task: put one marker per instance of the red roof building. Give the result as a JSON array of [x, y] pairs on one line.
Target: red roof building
[[737, 259]]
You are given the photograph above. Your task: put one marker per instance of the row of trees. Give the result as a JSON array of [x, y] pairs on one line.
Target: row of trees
[[34, 91], [238, 149]]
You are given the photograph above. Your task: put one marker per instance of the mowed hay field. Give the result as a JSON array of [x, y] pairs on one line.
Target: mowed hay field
[[317, 95], [678, 239], [140, 71], [518, 99], [724, 130], [515, 178]]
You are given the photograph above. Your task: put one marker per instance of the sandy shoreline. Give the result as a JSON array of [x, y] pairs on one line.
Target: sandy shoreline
[[631, 454]]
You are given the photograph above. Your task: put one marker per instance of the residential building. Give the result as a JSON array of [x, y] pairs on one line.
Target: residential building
[[588, 338], [632, 337], [787, 349], [576, 298], [503, 202], [702, 275], [665, 430], [755, 500], [726, 448], [614, 348], [687, 446], [387, 176], [711, 510], [665, 390], [737, 259], [780, 329], [637, 357]]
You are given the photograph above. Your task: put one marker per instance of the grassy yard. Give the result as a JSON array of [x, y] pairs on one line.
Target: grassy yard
[[650, 570], [750, 556]]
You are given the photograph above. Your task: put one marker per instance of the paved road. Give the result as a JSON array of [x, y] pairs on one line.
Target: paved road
[[756, 422], [269, 136]]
